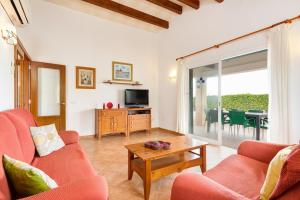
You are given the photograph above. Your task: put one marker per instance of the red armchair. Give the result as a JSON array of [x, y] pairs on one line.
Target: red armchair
[[238, 177]]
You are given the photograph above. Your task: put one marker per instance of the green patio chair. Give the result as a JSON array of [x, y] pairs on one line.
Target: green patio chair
[[212, 117], [206, 111], [235, 109], [263, 121], [225, 119], [238, 118], [252, 120]]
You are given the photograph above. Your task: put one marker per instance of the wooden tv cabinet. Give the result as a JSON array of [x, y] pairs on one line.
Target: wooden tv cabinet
[[123, 120]]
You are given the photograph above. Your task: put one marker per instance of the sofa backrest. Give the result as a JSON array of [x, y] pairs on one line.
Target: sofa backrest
[[23, 120], [291, 194], [9, 144]]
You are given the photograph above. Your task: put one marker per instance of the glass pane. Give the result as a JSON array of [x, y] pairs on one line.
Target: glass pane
[[245, 97], [48, 92], [204, 101]]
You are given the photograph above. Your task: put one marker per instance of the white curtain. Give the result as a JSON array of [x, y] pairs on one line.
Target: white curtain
[[278, 65], [182, 97]]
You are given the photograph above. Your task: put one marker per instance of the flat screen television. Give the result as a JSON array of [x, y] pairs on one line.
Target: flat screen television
[[136, 98]]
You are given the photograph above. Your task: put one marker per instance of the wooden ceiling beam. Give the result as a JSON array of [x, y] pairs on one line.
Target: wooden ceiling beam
[[192, 3], [130, 12], [169, 5]]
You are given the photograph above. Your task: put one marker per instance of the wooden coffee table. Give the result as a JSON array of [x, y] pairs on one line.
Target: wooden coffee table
[[153, 164]]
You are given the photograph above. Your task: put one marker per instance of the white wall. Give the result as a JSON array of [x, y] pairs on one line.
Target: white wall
[[6, 68], [212, 24], [63, 36]]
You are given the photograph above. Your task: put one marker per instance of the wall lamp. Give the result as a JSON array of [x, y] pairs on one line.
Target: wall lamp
[[173, 75]]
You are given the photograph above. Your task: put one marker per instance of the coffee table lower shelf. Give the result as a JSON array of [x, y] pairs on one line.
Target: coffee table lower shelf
[[150, 170], [166, 166]]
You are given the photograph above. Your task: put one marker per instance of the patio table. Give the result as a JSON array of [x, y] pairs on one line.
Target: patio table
[[257, 116]]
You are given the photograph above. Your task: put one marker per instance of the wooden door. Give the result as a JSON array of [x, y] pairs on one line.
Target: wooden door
[[21, 78], [48, 94]]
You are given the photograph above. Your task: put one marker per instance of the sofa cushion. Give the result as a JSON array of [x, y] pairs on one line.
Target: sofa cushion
[[240, 174], [26, 179], [65, 165], [23, 120], [9, 144], [290, 173], [273, 172], [46, 139]]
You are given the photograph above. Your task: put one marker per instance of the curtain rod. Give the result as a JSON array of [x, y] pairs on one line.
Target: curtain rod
[[240, 37]]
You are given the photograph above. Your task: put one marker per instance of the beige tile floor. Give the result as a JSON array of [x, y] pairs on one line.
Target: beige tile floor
[[231, 139], [109, 157]]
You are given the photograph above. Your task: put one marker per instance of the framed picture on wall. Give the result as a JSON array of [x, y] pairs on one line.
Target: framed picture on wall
[[121, 71], [85, 78]]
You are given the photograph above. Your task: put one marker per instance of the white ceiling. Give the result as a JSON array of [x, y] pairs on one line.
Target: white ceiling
[[141, 5]]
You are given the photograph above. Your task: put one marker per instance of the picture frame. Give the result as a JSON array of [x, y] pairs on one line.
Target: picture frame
[[85, 77], [122, 72]]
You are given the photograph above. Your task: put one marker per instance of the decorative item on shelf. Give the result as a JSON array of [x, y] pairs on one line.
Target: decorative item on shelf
[[122, 71], [85, 78], [118, 106], [103, 106], [109, 105], [157, 145]]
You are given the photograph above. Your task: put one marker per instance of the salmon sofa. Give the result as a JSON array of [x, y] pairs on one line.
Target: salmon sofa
[[69, 166], [238, 177]]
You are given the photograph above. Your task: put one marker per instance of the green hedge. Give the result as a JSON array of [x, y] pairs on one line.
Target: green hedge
[[240, 101]]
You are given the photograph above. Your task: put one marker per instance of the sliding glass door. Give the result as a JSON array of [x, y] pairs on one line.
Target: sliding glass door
[[204, 97], [229, 100], [245, 95]]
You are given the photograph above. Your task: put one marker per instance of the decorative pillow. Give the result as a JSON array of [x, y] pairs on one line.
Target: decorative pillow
[[46, 139], [25, 179], [274, 171], [290, 173]]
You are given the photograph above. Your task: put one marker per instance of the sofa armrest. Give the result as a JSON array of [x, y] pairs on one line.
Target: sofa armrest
[[91, 188], [261, 151], [69, 137], [194, 186]]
